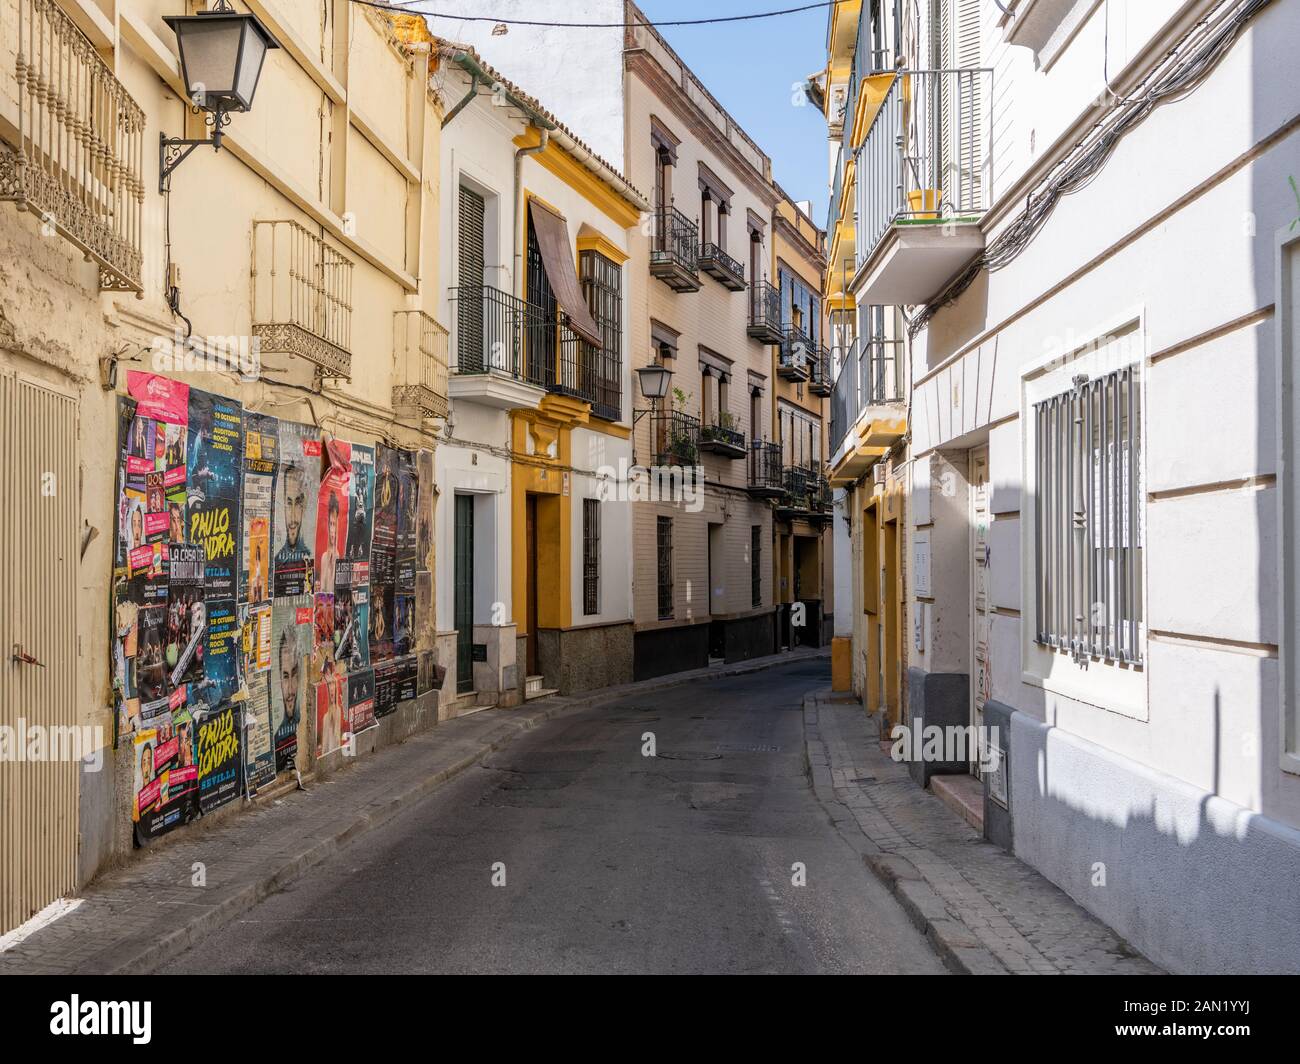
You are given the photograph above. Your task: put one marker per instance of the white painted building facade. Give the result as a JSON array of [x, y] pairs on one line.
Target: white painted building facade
[[1098, 454]]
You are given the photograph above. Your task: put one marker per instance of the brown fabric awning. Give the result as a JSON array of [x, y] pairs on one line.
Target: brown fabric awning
[[557, 258]]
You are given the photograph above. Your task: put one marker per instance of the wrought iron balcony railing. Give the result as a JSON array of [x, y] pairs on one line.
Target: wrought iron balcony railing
[[675, 250], [496, 332], [797, 353], [764, 312], [421, 347], [75, 141], [924, 157], [676, 438], [723, 438], [819, 371], [871, 373], [302, 296], [766, 474], [722, 267]]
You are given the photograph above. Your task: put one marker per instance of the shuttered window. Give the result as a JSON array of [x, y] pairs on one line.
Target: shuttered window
[[471, 263], [1089, 518], [590, 557], [756, 566]]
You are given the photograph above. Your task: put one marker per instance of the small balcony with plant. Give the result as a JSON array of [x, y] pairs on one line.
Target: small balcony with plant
[[722, 436], [675, 434]]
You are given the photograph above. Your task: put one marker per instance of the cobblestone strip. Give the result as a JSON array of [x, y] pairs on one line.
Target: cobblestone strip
[[985, 911], [141, 914]]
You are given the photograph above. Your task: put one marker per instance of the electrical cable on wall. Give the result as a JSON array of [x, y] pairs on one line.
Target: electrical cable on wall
[[408, 7], [1090, 155]]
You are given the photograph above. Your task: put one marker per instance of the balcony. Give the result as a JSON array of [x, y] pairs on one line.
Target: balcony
[[921, 186], [420, 344], [722, 267], [764, 313], [676, 438], [796, 353], [675, 251], [723, 438], [508, 353], [74, 141], [302, 297], [766, 476], [819, 372], [807, 492]]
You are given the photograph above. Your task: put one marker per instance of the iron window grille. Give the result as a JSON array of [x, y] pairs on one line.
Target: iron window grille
[[602, 284], [1089, 519], [756, 566], [590, 557], [664, 551]]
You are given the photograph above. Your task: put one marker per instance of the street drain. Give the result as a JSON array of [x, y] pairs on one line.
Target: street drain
[[690, 755]]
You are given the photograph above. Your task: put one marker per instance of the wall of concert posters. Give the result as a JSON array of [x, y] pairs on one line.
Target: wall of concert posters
[[265, 581]]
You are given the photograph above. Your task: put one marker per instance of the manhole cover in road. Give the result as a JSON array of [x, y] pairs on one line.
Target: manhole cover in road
[[689, 755], [753, 748]]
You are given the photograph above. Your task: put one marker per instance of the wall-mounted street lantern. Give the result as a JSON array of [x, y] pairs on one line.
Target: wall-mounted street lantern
[[222, 53], [655, 380]]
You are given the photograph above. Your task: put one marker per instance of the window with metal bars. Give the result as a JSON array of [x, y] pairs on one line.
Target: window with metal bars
[[756, 566], [664, 552], [590, 557], [542, 310], [602, 284], [1089, 519]]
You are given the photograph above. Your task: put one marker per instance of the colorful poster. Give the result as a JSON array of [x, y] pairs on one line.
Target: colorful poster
[[221, 766], [404, 626], [213, 489], [331, 708], [186, 615], [361, 700], [159, 398], [361, 503], [383, 552], [332, 515], [151, 664], [351, 632], [165, 777], [261, 444], [291, 636], [259, 646], [294, 521], [381, 621], [220, 656], [259, 748], [407, 532], [424, 513]]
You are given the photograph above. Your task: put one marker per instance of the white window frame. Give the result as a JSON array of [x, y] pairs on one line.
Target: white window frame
[[1110, 686]]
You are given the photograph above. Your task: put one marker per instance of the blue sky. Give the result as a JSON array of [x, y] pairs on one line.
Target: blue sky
[[750, 67]]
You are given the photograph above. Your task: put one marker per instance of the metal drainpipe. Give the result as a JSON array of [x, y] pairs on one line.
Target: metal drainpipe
[[468, 98], [536, 149]]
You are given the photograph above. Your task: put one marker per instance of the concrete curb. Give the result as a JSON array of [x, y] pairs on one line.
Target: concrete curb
[[137, 957], [950, 938]]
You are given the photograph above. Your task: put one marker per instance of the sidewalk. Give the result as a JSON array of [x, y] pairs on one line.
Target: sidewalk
[[134, 918], [984, 911]]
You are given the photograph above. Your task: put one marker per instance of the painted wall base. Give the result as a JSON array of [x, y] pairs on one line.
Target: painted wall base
[[661, 651], [575, 660], [1197, 883], [942, 699]]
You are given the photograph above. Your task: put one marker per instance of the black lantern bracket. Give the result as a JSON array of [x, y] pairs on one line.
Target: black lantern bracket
[[172, 151]]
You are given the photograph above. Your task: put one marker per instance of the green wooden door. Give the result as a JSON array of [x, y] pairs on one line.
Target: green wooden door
[[464, 593]]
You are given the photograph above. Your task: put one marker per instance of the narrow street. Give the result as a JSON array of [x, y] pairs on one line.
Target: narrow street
[[613, 861]]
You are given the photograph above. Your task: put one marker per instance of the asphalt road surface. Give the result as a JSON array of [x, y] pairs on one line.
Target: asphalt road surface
[[612, 861]]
